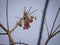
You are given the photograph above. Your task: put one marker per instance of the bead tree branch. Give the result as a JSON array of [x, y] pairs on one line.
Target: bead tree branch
[[54, 21], [55, 32], [25, 23], [26, 20], [42, 23]]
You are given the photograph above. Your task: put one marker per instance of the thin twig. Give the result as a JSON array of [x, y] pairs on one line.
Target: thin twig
[[54, 21], [47, 26], [47, 41], [33, 11], [20, 43], [55, 33], [9, 34], [13, 28], [16, 43], [29, 9], [42, 23], [3, 27], [3, 33], [51, 36], [56, 28], [17, 24], [7, 14]]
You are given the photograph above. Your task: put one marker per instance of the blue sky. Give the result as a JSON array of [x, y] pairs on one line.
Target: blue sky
[[30, 36]]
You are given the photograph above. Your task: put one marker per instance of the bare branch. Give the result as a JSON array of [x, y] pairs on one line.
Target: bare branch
[[17, 24], [42, 23], [51, 36], [55, 20], [56, 28], [33, 11], [55, 33], [29, 9], [24, 9], [13, 28], [3, 33], [18, 17], [47, 41], [16, 43], [47, 26], [3, 27], [20, 43], [7, 14]]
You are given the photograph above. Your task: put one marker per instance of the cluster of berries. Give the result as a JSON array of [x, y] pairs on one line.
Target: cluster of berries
[[26, 21]]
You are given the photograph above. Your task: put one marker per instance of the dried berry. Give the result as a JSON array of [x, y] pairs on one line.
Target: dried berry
[[30, 20], [32, 17], [26, 19], [20, 24], [26, 26]]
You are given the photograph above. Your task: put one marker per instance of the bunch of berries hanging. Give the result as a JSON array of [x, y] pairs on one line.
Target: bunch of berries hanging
[[26, 20]]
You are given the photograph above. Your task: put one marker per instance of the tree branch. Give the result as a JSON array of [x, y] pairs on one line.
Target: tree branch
[[56, 28], [13, 28], [3, 27], [7, 14], [47, 26], [55, 33], [54, 21], [10, 38], [20, 43], [16, 43], [33, 11], [51, 36], [29, 9], [42, 23], [3, 33], [17, 24]]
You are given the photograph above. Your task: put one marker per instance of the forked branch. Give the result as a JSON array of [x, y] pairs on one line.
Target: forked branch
[[56, 28], [7, 14], [54, 21], [51, 36], [17, 24], [55, 32]]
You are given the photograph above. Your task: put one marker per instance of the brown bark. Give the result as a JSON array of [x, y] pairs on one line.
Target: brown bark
[[10, 38]]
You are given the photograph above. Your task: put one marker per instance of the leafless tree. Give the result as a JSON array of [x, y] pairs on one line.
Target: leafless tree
[[7, 31], [27, 20], [43, 21], [53, 32]]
